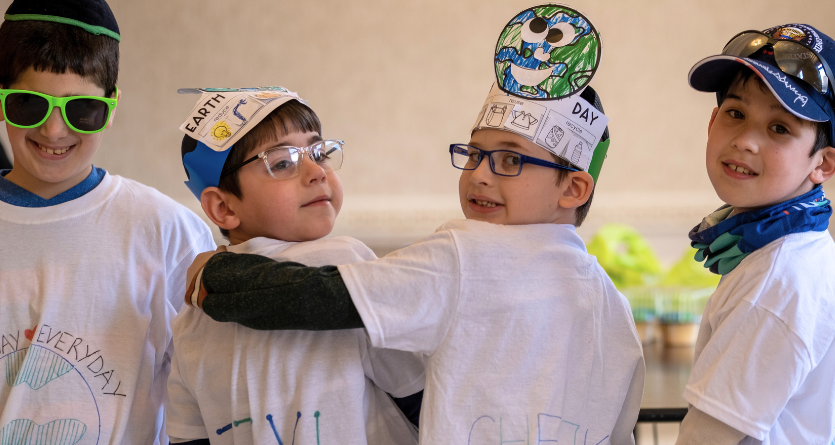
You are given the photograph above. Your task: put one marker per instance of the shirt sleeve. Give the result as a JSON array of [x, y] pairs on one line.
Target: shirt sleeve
[[399, 373], [260, 293], [625, 424], [408, 299], [183, 420], [175, 283], [698, 428], [748, 370]]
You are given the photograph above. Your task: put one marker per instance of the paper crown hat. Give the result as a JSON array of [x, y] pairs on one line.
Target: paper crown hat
[[545, 58], [220, 118], [94, 16]]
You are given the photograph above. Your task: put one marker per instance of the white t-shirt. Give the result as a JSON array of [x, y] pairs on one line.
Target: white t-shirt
[[88, 289], [237, 385], [525, 337], [765, 362]]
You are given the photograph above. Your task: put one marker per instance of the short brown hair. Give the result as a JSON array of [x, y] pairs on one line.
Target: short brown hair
[[292, 116], [57, 48]]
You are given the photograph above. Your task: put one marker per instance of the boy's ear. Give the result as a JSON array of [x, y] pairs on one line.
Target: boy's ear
[[712, 118], [113, 113], [826, 166], [580, 185], [215, 203]]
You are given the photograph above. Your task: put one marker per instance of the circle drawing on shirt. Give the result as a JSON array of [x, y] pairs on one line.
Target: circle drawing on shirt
[[547, 52], [57, 405]]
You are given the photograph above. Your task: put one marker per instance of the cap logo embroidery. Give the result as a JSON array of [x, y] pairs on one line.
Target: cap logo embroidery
[[789, 33], [818, 42], [783, 79]]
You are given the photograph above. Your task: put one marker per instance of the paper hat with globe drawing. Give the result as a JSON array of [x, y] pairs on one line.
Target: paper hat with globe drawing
[[544, 60], [220, 118]]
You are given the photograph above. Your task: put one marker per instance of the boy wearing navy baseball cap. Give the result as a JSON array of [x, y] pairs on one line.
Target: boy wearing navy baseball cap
[[93, 264], [764, 356]]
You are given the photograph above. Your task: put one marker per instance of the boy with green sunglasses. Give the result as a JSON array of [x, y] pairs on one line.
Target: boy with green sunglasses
[[79, 243]]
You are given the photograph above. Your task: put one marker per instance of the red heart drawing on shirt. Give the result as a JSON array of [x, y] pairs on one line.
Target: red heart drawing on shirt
[[29, 333]]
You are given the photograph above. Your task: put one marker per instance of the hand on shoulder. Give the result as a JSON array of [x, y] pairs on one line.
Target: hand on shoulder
[[193, 271]]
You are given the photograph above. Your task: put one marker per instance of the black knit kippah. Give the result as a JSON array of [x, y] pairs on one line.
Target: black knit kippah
[[94, 16]]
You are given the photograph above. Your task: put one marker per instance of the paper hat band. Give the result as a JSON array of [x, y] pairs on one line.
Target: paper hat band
[[570, 128], [203, 165], [597, 159], [220, 118], [547, 52]]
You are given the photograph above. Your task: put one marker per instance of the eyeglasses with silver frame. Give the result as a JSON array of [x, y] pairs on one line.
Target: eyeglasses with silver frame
[[284, 162]]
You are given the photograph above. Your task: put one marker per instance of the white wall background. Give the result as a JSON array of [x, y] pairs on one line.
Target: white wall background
[[401, 80]]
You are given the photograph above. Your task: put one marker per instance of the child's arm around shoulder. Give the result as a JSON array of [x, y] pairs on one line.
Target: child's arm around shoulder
[[260, 293], [421, 281], [313, 296]]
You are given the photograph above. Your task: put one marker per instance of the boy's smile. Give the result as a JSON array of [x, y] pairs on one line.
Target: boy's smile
[[533, 197], [52, 158], [757, 151]]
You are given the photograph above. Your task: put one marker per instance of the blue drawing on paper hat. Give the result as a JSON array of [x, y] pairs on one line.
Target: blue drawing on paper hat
[[547, 52]]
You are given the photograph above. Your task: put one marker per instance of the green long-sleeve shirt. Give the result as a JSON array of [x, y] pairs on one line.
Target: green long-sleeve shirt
[[260, 293]]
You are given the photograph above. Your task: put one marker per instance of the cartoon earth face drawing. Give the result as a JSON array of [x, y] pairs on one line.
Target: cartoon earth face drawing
[[547, 52]]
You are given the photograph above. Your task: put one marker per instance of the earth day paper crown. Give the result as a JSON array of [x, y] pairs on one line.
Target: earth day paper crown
[[545, 57], [221, 118]]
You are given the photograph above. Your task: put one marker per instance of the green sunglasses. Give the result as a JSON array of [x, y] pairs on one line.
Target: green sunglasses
[[83, 114]]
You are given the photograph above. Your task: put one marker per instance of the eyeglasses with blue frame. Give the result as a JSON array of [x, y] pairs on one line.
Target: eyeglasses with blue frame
[[502, 162]]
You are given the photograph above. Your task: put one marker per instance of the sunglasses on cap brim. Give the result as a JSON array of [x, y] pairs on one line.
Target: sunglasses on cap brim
[[793, 58], [83, 114]]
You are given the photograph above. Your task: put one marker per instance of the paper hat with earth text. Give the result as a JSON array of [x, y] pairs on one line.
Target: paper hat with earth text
[[545, 58], [220, 118]]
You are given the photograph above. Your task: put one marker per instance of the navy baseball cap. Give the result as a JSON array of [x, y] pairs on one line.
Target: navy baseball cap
[[799, 77]]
